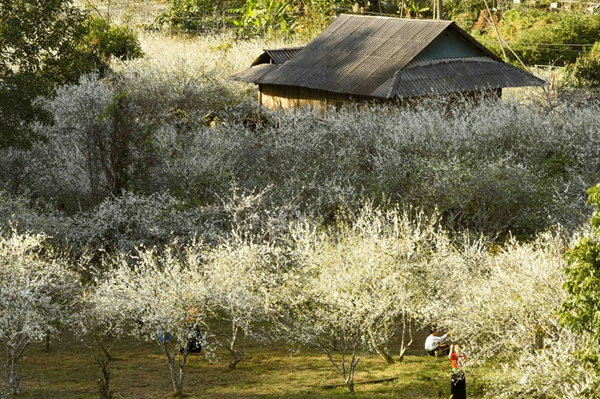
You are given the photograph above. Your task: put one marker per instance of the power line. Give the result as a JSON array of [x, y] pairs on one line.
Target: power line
[[554, 44]]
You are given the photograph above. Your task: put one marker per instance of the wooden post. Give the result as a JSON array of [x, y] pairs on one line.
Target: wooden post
[[439, 9]]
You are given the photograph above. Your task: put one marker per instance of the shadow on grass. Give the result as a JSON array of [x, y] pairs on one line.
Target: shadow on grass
[[141, 371]]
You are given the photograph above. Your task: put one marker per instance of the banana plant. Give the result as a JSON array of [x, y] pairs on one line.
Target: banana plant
[[260, 17]]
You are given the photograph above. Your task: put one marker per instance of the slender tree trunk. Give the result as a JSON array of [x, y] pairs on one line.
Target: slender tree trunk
[[103, 359], [104, 382], [177, 376], [13, 379], [403, 347], [105, 351], [236, 354], [350, 385], [346, 369], [382, 351], [14, 354]]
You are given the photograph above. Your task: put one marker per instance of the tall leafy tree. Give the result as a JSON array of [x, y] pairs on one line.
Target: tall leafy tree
[[41, 45], [581, 310]]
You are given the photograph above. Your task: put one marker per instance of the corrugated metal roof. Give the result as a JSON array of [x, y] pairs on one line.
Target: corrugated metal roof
[[277, 56], [458, 75], [372, 56], [357, 54], [432, 61], [254, 74]]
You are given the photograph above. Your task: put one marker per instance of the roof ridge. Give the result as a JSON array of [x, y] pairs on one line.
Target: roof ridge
[[435, 61], [447, 21], [283, 48]]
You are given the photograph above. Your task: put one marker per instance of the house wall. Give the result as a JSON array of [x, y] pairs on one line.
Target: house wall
[[276, 96], [448, 45]]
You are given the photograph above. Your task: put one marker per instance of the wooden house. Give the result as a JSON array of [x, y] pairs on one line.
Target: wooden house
[[360, 59]]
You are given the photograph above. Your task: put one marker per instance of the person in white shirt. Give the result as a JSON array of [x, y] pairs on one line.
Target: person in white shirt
[[435, 343]]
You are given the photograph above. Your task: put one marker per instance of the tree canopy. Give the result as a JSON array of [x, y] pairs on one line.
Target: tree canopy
[[41, 45], [581, 311]]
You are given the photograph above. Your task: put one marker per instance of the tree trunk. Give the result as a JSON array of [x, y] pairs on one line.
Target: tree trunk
[[350, 385], [14, 354], [176, 377], [234, 361], [236, 355], [104, 382], [103, 358], [381, 351], [351, 372], [13, 379], [403, 347]]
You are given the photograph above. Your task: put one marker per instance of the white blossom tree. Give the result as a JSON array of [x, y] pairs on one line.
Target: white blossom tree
[[501, 304], [36, 289], [346, 302], [239, 274], [99, 330], [164, 298]]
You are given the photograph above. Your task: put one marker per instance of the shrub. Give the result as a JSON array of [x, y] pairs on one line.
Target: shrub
[[585, 71], [112, 40]]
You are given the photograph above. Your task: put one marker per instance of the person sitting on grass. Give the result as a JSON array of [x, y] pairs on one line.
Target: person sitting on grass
[[434, 344]]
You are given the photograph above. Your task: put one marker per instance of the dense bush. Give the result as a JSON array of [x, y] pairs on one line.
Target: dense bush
[[111, 40], [491, 167], [585, 71], [177, 125], [115, 224]]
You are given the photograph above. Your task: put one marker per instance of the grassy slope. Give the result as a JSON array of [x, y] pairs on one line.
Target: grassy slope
[[141, 371]]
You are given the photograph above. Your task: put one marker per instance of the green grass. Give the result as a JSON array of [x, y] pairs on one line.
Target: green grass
[[68, 370]]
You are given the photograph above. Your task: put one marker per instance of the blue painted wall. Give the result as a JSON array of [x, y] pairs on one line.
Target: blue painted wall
[[448, 45]]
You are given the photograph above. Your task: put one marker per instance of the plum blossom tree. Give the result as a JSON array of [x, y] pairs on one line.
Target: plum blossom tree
[[238, 276], [164, 298], [346, 303], [36, 288], [99, 330], [501, 303]]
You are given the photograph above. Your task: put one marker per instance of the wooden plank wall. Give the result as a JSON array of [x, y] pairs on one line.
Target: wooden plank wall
[[285, 97], [276, 96]]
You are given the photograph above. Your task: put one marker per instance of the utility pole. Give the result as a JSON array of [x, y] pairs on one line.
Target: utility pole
[[439, 9]]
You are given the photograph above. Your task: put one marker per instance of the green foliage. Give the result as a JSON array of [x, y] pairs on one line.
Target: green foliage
[[581, 311], [197, 15], [316, 15], [415, 9], [33, 60], [585, 72], [261, 17], [112, 40], [543, 38], [594, 199]]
